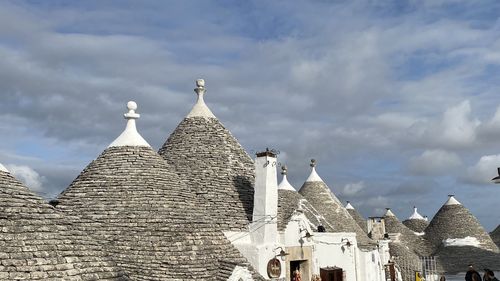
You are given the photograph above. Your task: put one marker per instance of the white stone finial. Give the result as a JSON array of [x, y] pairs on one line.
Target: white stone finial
[[416, 215], [284, 184], [130, 136], [313, 176], [3, 169], [200, 109], [348, 206], [389, 213], [452, 201]]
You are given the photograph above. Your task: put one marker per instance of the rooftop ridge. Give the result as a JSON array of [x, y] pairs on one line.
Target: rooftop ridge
[[284, 184], [130, 136], [200, 109], [314, 175], [416, 215]]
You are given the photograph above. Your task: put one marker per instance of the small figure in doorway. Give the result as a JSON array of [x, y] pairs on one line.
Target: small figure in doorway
[[296, 275]]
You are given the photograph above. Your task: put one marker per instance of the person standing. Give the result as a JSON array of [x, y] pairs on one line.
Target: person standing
[[489, 275], [472, 274]]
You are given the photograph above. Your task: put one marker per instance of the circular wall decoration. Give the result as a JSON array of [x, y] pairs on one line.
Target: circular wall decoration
[[274, 268]]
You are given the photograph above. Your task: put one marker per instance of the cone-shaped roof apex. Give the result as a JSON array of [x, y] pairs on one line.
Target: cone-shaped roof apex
[[416, 215], [284, 184], [313, 176], [3, 169], [348, 206], [389, 213], [200, 109], [130, 136], [452, 201]]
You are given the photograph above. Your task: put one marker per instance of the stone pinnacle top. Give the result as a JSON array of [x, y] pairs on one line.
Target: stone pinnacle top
[[284, 184], [452, 201], [200, 109], [389, 213], [313, 176], [130, 136], [416, 215], [3, 169], [348, 206]]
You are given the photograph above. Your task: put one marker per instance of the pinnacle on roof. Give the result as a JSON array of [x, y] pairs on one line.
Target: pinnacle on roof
[[389, 213], [497, 178], [313, 176], [348, 206], [3, 169], [284, 184], [452, 201], [416, 215], [130, 136], [200, 109]]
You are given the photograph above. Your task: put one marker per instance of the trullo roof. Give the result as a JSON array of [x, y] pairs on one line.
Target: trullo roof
[[214, 165], [416, 222], [454, 221], [38, 243], [330, 207], [357, 216], [130, 198]]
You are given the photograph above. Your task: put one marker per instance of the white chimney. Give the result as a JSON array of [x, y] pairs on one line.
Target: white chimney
[[264, 228]]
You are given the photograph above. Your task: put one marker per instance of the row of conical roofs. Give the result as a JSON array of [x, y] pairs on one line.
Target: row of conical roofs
[[153, 219]]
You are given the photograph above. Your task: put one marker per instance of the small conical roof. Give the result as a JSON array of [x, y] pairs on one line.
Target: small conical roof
[[407, 237], [215, 166], [357, 217], [38, 243], [290, 202], [454, 224], [416, 222], [144, 214], [330, 207]]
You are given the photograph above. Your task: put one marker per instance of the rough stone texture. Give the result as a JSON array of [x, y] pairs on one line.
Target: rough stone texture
[[290, 201], [456, 221], [495, 235], [408, 238], [216, 167], [359, 219], [328, 205], [38, 243], [456, 259], [416, 225], [147, 218], [407, 260]]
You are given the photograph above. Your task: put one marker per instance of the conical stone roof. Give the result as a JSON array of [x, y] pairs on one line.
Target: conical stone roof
[[408, 238], [290, 202], [416, 222], [357, 217], [145, 215], [330, 207], [214, 165], [39, 243], [453, 224]]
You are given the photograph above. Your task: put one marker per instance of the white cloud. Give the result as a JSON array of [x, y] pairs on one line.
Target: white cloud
[[28, 176], [435, 162], [456, 129], [484, 170], [351, 189]]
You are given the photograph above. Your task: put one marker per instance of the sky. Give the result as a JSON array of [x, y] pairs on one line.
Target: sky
[[398, 101]]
